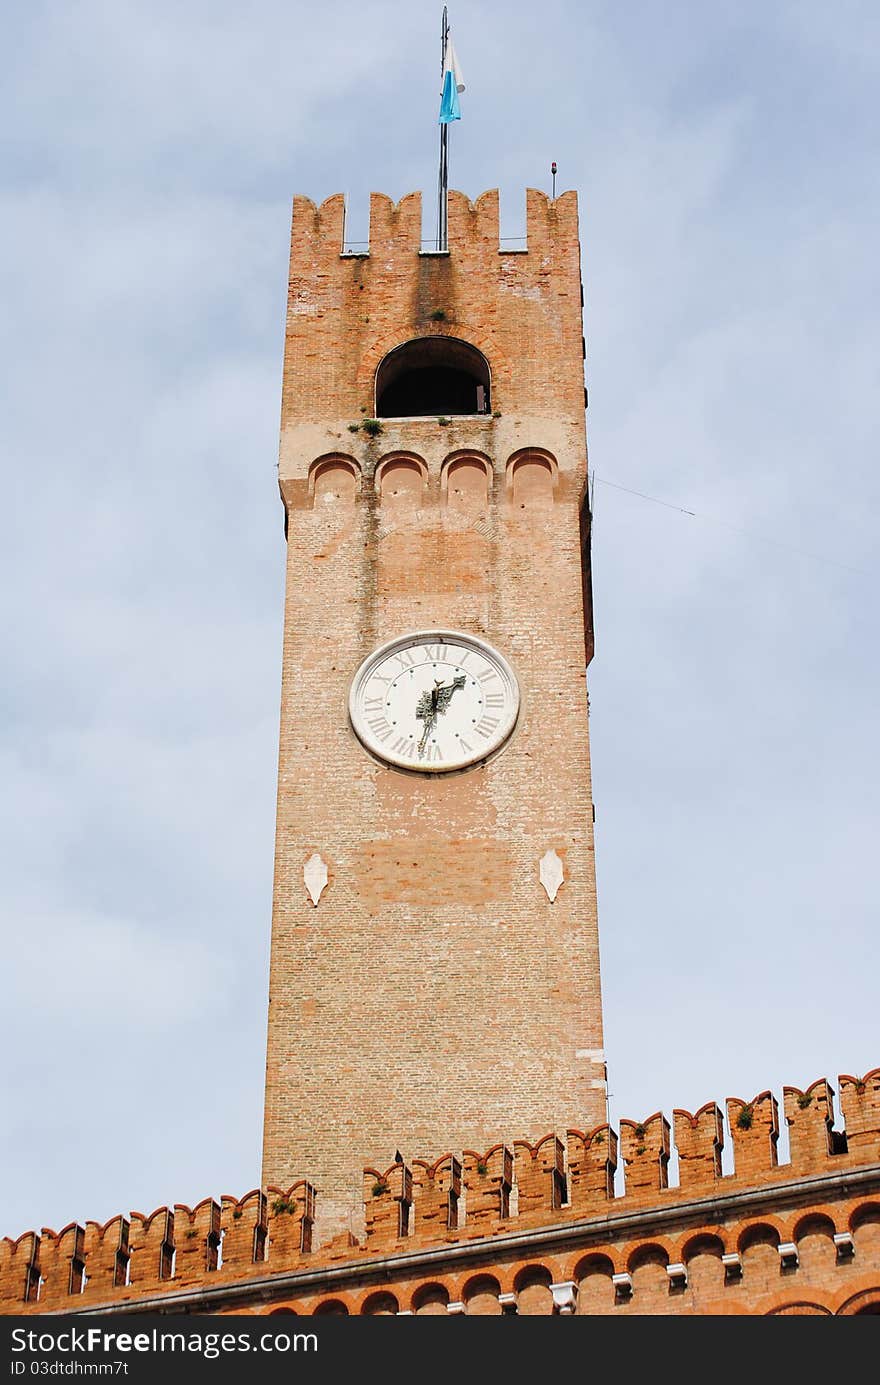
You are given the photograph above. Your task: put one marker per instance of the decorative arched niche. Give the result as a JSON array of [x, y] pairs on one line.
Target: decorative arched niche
[[432, 377], [380, 1303], [401, 480], [332, 1307], [531, 477], [431, 1299], [592, 1275], [465, 483], [334, 480], [480, 1296], [532, 1289]]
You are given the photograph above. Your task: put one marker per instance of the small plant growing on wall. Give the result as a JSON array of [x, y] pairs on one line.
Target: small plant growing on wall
[[745, 1118], [482, 1168], [438, 315], [354, 427], [379, 1189], [372, 426], [804, 1100], [443, 421]]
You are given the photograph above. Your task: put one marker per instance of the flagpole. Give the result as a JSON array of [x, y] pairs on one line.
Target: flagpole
[[443, 181]]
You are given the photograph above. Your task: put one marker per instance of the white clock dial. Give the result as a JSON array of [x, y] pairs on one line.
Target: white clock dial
[[434, 701]]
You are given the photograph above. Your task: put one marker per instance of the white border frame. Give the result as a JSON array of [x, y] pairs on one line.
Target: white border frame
[[458, 637]]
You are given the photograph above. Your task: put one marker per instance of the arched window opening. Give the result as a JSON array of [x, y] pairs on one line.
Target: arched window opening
[[432, 376]]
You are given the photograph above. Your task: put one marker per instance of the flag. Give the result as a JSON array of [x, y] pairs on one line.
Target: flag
[[452, 84]]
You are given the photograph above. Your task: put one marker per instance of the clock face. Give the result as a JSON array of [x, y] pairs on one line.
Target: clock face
[[434, 701]]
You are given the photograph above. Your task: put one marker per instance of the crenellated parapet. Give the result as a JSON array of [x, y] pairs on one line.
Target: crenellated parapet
[[809, 1116], [592, 1165], [470, 1197], [488, 1180], [754, 1130], [244, 1226], [20, 1269], [860, 1103], [291, 1221], [437, 1195], [350, 306], [540, 1176], [645, 1149], [699, 1140], [387, 1199], [319, 229]]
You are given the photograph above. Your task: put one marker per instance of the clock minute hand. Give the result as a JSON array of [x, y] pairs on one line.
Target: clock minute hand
[[429, 725], [426, 711], [430, 703]]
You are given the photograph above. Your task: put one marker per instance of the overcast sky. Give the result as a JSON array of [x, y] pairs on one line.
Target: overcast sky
[[726, 161]]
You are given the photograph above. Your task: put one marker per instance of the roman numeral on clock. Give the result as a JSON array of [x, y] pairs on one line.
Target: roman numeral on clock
[[380, 727], [486, 725], [494, 700]]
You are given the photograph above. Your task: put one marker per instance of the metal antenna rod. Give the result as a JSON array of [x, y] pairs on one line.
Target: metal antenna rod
[[443, 183], [553, 171]]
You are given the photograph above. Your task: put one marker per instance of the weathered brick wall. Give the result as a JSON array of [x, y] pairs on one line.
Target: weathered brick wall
[[519, 1228], [434, 994]]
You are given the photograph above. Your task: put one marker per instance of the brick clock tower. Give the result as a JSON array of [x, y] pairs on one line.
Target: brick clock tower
[[435, 965]]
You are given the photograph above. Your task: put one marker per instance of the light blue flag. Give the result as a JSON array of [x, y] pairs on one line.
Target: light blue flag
[[450, 108]]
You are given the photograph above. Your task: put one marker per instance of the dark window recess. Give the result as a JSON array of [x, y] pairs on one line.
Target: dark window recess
[[558, 1189], [452, 1210], [77, 1281], [121, 1261], [32, 1283], [432, 376], [214, 1240], [166, 1249]]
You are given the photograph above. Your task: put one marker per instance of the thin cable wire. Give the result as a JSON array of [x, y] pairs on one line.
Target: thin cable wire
[[738, 528]]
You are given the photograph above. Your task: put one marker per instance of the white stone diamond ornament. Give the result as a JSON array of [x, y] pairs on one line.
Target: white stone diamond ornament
[[315, 877], [551, 873]]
